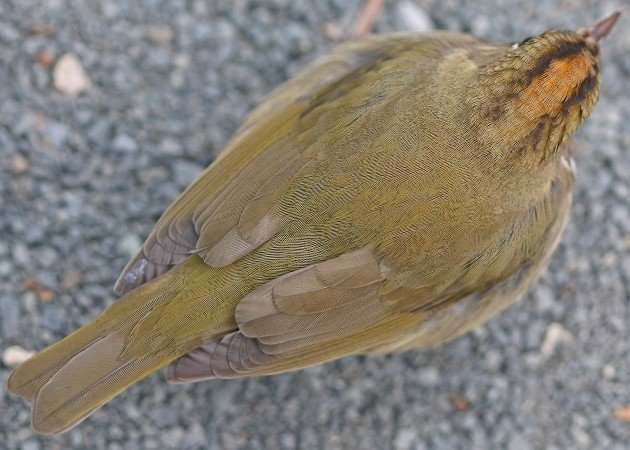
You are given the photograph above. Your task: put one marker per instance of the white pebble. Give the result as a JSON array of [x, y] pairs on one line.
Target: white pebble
[[129, 244], [15, 355], [69, 76], [556, 334], [609, 371], [404, 438], [413, 18]]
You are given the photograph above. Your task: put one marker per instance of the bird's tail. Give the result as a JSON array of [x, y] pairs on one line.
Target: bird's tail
[[67, 381]]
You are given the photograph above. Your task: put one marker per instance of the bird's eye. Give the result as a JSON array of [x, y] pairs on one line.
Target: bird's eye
[[518, 44], [525, 40]]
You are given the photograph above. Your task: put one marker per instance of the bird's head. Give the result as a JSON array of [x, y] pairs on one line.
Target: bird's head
[[536, 94]]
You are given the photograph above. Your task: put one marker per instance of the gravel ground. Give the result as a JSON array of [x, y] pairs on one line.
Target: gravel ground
[[84, 179]]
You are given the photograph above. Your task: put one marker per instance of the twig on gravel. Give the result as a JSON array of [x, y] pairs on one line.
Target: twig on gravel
[[367, 17], [623, 413]]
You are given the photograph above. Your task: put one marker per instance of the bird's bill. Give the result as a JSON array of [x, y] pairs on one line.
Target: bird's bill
[[602, 27]]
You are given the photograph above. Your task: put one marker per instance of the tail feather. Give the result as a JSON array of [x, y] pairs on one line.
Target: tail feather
[[87, 381], [67, 381], [27, 379]]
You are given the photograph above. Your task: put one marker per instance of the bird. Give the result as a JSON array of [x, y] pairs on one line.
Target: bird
[[393, 195]]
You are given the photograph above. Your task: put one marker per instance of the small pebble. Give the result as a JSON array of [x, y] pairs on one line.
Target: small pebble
[[412, 17], [15, 355], [186, 171], [129, 244], [518, 442], [45, 59], [429, 376], [333, 31], [19, 164], [459, 402], [159, 34], [556, 334], [287, 440], [69, 76], [125, 143], [31, 444], [609, 371], [404, 438], [71, 280]]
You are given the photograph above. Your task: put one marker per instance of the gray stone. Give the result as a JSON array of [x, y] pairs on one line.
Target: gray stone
[[21, 255], [518, 442], [186, 171], [31, 444], [124, 143], [129, 244], [56, 133], [10, 316], [405, 438]]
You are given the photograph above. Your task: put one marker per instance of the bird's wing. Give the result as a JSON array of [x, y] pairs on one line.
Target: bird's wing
[[229, 209], [347, 304], [331, 308]]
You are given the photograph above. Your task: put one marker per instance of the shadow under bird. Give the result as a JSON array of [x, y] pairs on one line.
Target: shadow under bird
[[393, 195]]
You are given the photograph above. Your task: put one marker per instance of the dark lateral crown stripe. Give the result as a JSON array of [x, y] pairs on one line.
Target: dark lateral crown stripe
[[589, 84]]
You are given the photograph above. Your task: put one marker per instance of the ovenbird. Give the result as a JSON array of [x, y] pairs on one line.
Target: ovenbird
[[393, 195]]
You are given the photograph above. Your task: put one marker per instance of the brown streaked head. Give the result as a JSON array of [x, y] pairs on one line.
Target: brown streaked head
[[540, 90], [561, 71]]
